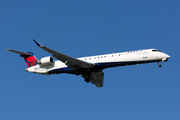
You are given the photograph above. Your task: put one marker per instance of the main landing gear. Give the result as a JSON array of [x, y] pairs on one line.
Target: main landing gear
[[87, 79]]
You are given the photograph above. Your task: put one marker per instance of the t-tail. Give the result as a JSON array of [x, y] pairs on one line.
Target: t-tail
[[29, 57]]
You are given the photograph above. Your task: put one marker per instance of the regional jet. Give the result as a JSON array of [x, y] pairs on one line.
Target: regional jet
[[91, 67]]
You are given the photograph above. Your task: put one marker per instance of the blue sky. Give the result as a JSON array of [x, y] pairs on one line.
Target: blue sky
[[83, 28]]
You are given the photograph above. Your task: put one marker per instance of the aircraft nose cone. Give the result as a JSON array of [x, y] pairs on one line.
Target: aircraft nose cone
[[168, 56]]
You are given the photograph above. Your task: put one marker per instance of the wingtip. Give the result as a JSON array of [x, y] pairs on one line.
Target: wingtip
[[38, 44]]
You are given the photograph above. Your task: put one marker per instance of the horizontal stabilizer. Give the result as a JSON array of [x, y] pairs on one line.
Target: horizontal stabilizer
[[18, 52], [29, 58]]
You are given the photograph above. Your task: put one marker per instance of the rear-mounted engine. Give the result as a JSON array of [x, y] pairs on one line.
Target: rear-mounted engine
[[45, 61]]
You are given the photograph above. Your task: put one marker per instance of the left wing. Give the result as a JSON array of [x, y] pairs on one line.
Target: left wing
[[71, 62]]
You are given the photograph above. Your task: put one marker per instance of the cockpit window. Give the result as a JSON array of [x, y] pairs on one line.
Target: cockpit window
[[156, 51]]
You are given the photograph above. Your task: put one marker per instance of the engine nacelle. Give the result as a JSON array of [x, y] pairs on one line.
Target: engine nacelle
[[45, 61]]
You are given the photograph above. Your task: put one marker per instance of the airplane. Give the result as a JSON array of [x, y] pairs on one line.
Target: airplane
[[91, 67]]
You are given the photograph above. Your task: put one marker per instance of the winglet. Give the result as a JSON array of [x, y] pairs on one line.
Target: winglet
[[38, 44]]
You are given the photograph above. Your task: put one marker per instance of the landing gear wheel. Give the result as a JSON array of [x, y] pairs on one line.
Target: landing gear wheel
[[159, 65], [87, 80]]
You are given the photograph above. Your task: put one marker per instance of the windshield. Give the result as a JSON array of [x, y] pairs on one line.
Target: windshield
[[156, 51]]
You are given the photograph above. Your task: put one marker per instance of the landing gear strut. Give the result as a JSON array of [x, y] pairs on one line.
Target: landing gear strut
[[159, 63]]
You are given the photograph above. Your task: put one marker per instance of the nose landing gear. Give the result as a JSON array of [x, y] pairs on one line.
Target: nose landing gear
[[159, 63]]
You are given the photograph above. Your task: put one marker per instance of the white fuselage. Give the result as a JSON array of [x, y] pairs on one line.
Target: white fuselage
[[105, 61]]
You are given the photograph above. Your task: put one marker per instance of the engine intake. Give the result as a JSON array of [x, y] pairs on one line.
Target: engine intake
[[45, 61]]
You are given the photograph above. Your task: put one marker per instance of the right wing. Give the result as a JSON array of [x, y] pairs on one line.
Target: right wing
[[76, 64]]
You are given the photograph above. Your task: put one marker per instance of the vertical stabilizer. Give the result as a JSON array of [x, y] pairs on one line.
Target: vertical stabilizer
[[30, 59]]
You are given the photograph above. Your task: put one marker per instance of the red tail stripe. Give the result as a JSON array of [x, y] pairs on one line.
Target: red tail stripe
[[30, 61]]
